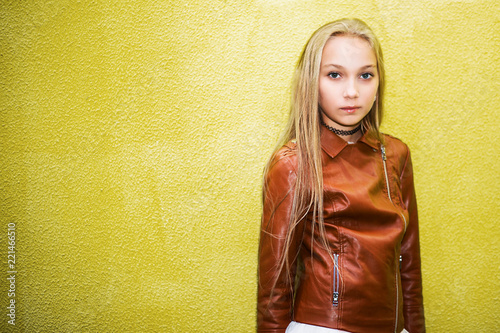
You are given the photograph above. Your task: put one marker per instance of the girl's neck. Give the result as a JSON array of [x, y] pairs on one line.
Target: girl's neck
[[352, 138], [350, 135]]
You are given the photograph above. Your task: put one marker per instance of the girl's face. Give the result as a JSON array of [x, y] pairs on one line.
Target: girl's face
[[348, 81]]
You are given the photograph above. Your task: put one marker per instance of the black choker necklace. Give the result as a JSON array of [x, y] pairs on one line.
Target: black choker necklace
[[341, 132]]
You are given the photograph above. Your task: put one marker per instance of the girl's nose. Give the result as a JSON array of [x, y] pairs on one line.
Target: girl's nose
[[351, 90]]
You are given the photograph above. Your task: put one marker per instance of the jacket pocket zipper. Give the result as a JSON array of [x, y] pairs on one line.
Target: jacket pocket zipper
[[336, 280]]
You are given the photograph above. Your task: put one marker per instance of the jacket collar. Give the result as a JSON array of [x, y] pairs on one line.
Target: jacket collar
[[332, 144]]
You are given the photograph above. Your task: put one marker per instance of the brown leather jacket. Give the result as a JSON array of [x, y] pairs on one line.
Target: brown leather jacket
[[372, 283]]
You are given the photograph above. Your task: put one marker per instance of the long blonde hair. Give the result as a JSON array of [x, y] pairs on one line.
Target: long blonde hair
[[304, 126]]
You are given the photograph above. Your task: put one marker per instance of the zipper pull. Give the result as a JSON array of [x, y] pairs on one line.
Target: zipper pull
[[382, 149], [336, 298]]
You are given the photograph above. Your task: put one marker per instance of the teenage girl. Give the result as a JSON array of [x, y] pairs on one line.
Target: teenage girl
[[339, 247]]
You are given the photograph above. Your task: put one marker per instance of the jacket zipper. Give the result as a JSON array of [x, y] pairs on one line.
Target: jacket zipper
[[397, 303], [384, 158], [400, 263], [336, 280]]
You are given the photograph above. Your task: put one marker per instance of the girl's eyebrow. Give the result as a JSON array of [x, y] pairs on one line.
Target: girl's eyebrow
[[342, 67]]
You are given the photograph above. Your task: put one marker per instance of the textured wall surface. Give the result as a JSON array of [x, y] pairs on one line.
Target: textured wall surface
[[133, 137]]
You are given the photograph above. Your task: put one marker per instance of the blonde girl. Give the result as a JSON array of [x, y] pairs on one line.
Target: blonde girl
[[339, 247]]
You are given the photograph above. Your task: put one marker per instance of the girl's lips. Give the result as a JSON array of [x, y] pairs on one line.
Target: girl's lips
[[350, 109]]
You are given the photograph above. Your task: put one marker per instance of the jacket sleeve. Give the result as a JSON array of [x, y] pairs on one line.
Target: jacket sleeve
[[411, 277], [275, 296]]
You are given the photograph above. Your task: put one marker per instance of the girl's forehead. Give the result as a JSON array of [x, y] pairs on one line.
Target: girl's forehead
[[349, 49]]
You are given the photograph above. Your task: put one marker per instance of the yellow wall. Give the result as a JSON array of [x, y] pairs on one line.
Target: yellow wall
[[133, 135]]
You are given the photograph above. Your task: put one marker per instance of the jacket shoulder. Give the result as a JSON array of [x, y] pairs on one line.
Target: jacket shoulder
[[396, 142], [397, 151], [396, 146], [280, 177], [285, 158]]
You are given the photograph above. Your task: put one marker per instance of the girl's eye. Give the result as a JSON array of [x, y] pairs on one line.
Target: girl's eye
[[334, 75], [366, 76]]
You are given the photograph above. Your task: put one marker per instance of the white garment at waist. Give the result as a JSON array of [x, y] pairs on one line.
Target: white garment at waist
[[295, 327]]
